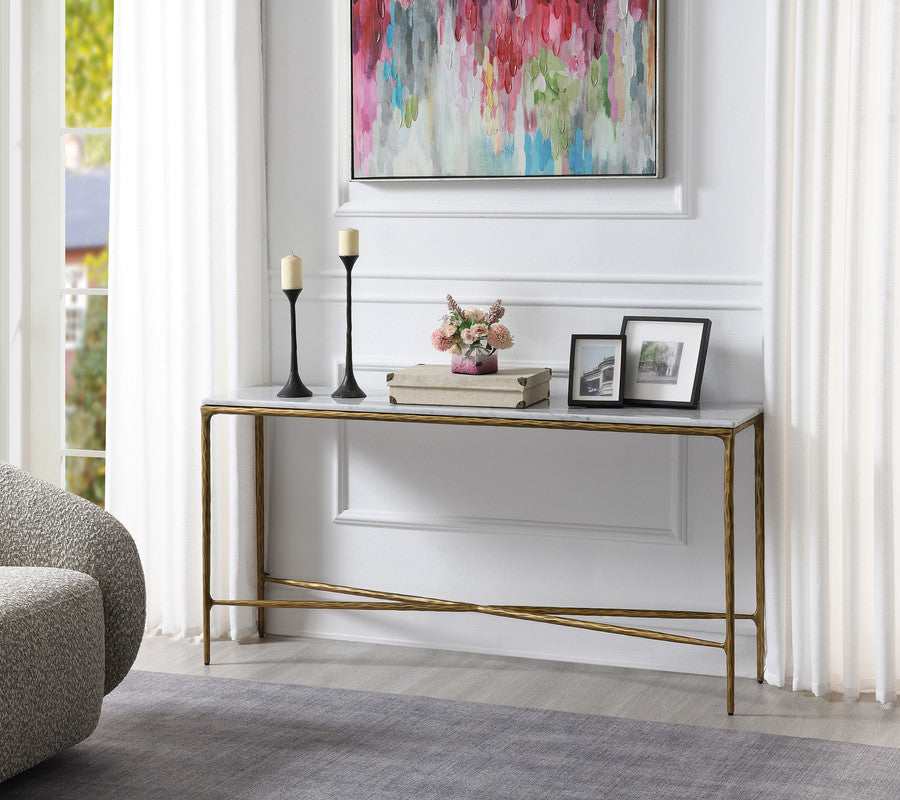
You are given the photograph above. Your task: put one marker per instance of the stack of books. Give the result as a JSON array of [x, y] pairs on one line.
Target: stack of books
[[434, 385]]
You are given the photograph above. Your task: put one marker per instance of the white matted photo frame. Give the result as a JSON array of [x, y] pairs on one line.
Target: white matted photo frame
[[664, 360], [595, 369]]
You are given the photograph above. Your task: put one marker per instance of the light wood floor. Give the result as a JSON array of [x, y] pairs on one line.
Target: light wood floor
[[581, 688]]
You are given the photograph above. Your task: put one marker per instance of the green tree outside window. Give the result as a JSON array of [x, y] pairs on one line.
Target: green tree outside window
[[88, 104], [89, 49]]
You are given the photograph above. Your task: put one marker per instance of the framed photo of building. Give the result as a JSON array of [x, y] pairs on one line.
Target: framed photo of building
[[664, 360], [595, 370], [499, 89]]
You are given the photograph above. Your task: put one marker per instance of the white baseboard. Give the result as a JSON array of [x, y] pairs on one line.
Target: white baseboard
[[672, 657]]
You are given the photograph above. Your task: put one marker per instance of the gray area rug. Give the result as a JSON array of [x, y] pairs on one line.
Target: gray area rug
[[170, 736]]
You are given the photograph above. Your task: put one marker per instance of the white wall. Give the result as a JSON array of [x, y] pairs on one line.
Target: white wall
[[567, 518]]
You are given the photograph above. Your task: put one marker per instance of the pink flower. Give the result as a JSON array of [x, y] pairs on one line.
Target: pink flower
[[471, 329], [440, 340], [499, 337]]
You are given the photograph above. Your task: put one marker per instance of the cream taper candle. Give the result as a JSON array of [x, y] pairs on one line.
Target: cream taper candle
[[291, 272], [348, 242]]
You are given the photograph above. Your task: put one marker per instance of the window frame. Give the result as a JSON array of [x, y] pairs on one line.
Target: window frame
[[30, 321], [32, 257], [67, 292]]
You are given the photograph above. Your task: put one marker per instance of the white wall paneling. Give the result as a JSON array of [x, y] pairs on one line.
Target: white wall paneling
[[383, 505], [573, 291], [393, 481]]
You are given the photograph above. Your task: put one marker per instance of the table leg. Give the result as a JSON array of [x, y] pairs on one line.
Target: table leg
[[207, 525], [760, 613], [729, 570], [260, 525]]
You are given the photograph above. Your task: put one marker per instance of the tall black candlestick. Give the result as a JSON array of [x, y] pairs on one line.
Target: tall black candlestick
[[294, 386], [349, 386]]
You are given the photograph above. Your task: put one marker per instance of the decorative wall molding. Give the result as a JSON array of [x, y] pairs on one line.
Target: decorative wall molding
[[671, 197], [483, 276], [500, 207], [416, 274], [675, 534], [636, 303], [698, 293]]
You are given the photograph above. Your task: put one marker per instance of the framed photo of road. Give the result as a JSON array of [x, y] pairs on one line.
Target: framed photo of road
[[664, 360]]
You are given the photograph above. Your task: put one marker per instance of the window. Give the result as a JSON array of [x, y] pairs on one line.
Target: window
[[85, 141]]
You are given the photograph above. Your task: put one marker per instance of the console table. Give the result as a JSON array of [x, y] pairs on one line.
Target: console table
[[723, 421]]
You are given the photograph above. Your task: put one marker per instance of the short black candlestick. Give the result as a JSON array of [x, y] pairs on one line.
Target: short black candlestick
[[294, 386], [349, 387]]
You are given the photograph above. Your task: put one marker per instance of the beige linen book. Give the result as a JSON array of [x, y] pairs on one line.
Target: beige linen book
[[436, 385]]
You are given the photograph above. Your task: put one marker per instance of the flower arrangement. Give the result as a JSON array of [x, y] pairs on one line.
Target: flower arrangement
[[471, 332]]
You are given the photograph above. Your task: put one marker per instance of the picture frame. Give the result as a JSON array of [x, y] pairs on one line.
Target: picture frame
[[596, 372], [664, 360], [457, 90]]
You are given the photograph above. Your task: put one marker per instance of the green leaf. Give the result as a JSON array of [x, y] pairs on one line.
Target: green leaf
[[89, 40]]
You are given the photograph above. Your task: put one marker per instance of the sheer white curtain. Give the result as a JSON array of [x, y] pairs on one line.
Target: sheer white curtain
[[186, 300], [831, 354]]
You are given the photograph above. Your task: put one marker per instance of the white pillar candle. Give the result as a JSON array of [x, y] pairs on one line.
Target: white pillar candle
[[348, 242], [291, 272]]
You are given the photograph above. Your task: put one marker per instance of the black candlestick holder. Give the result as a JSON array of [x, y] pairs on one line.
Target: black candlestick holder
[[294, 386], [349, 387]]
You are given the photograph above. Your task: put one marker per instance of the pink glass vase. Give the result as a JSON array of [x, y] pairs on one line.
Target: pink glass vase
[[478, 364]]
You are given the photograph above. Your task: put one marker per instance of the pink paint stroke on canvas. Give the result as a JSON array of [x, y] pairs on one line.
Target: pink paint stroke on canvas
[[480, 88]]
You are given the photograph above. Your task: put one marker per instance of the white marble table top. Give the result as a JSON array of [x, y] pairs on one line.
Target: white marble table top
[[555, 409]]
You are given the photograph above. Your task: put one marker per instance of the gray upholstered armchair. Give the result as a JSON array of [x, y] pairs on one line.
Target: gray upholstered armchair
[[71, 616]]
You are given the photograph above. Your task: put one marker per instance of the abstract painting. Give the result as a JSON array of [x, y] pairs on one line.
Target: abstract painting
[[505, 88]]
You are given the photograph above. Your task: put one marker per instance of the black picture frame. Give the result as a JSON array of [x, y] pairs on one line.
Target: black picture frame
[[596, 370], [664, 360]]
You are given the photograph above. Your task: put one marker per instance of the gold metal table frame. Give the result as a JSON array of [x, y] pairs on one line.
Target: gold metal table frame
[[261, 402]]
